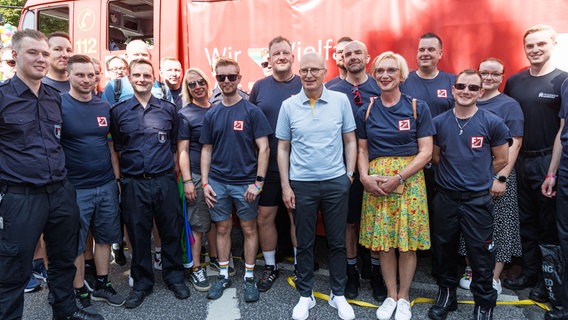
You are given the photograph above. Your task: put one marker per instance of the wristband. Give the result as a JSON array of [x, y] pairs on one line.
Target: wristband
[[187, 182], [550, 176], [204, 185], [401, 180], [259, 188]]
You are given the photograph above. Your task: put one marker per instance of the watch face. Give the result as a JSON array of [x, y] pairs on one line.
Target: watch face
[[502, 178]]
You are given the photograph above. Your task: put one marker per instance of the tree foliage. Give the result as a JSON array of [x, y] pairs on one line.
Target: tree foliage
[[11, 15]]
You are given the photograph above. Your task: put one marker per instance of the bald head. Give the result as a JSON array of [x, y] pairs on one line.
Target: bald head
[[312, 58], [312, 73], [137, 49]]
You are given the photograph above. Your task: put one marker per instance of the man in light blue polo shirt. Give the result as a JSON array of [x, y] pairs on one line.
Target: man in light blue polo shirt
[[316, 129]]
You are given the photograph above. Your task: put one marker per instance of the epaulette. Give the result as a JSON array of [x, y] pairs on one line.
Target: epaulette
[[119, 103]]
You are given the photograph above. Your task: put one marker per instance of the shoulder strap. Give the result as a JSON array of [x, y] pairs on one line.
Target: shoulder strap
[[414, 108], [164, 91], [117, 89], [369, 108]]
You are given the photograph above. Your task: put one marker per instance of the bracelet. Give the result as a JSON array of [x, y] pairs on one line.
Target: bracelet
[[259, 188], [550, 176], [204, 185], [187, 182], [401, 180]]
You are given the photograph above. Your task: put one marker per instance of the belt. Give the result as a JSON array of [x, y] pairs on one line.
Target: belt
[[20, 189], [462, 195], [536, 153], [148, 176]]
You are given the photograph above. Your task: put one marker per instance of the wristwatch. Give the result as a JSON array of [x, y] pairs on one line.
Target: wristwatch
[[500, 178], [259, 178]]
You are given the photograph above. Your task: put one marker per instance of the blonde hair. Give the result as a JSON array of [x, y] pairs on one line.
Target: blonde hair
[[400, 62], [185, 95], [540, 27]]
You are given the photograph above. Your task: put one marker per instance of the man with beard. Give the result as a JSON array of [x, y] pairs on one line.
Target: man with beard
[[360, 88], [61, 49], [338, 57], [470, 147], [144, 131], [234, 160], [268, 94]]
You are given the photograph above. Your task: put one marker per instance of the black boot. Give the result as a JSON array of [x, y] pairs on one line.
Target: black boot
[[481, 313], [539, 293], [445, 302], [557, 315], [378, 284], [352, 283]]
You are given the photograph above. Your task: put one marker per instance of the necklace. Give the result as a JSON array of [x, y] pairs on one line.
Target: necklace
[[458, 123]]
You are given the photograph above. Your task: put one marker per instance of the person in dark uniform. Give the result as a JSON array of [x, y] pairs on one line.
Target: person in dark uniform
[[557, 175], [35, 195], [144, 131], [471, 145]]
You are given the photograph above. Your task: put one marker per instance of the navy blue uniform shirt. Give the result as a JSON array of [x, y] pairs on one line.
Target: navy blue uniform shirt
[[30, 128], [145, 138]]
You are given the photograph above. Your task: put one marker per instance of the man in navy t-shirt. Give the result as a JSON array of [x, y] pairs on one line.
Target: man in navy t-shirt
[[268, 94], [234, 160], [61, 49], [470, 147], [86, 123]]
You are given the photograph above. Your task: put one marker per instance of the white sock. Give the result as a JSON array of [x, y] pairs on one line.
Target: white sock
[[224, 269], [249, 271], [295, 252], [270, 258]]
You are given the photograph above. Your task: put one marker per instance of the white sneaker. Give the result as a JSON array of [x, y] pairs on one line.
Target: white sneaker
[[384, 312], [302, 309], [497, 286], [465, 280], [344, 309], [402, 310]]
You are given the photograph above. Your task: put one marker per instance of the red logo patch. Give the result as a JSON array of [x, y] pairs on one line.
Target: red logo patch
[[442, 93], [238, 125], [404, 125], [102, 121], [476, 142]]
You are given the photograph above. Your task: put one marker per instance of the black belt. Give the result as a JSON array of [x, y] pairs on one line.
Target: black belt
[[536, 153], [148, 176], [20, 189], [462, 195]]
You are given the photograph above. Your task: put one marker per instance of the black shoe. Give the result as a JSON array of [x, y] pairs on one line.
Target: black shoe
[[556, 315], [119, 257], [445, 302], [352, 283], [180, 290], [135, 298], [269, 275], [539, 293], [480, 313], [378, 285], [366, 272], [519, 283], [81, 315]]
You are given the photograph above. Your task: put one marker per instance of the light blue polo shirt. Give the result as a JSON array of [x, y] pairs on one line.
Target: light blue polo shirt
[[315, 134]]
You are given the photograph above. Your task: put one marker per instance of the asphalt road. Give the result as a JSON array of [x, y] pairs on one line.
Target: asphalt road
[[278, 302]]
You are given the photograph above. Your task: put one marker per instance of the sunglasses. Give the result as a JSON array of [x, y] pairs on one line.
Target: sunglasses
[[264, 64], [356, 96], [193, 84], [471, 87], [231, 77], [11, 63]]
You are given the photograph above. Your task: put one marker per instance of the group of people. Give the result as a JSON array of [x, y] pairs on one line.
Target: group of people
[[396, 161]]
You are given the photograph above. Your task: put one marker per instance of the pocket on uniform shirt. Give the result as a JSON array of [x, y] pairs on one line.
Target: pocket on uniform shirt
[[10, 263], [16, 128], [163, 131]]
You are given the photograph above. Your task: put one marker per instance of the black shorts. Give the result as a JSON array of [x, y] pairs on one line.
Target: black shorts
[[271, 194], [355, 201]]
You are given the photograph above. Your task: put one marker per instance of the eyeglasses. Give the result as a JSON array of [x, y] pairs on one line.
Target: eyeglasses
[[471, 87], [313, 71], [492, 74], [389, 71], [193, 84], [11, 63], [222, 77], [264, 64], [117, 69], [356, 95]]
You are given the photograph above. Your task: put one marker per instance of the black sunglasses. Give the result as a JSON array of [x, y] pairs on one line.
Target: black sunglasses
[[193, 84], [471, 87], [264, 64], [222, 77], [356, 95]]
